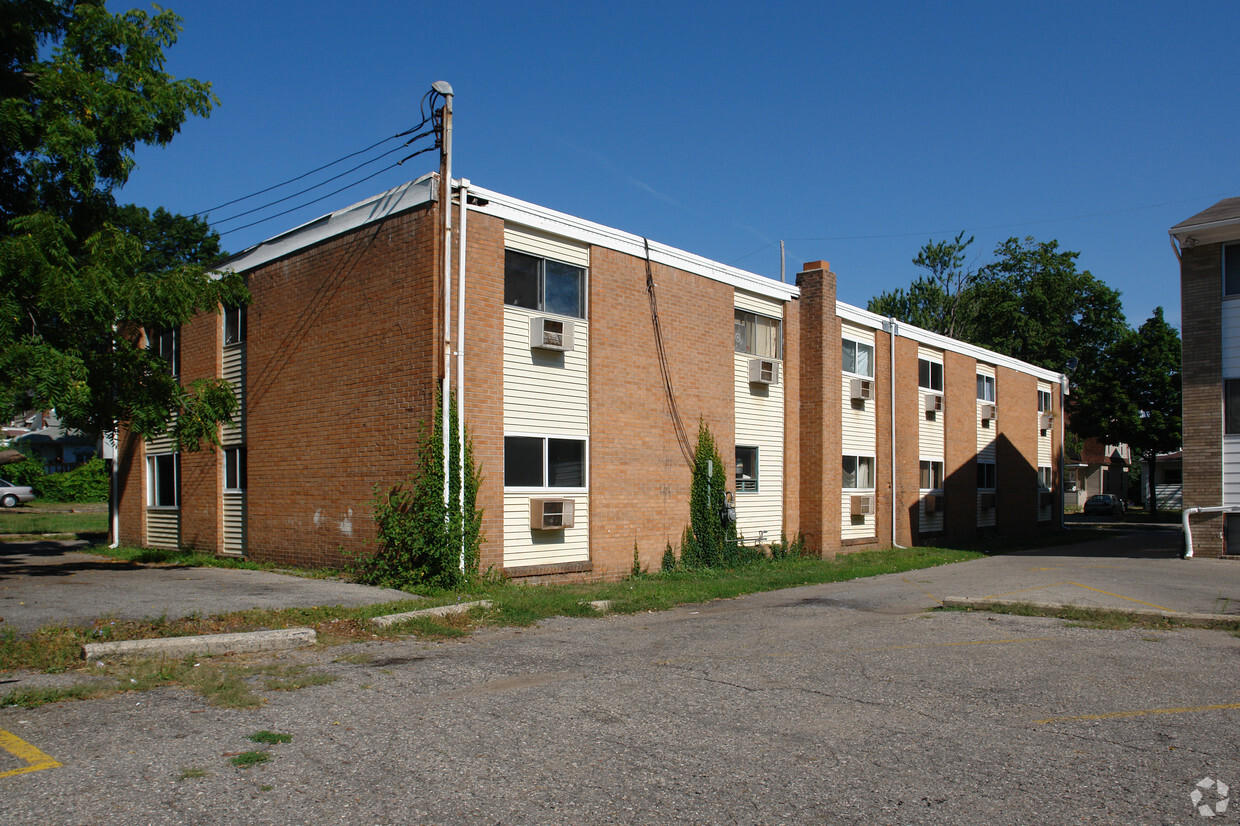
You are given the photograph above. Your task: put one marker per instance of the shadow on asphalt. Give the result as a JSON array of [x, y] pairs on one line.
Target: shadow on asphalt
[[52, 558]]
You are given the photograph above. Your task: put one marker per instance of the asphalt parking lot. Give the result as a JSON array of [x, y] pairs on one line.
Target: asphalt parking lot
[[845, 703]]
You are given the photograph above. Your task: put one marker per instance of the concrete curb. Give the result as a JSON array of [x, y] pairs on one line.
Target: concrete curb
[[1194, 620], [206, 644], [441, 611]]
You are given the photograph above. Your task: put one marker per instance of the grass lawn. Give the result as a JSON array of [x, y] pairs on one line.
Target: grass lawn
[[59, 520]]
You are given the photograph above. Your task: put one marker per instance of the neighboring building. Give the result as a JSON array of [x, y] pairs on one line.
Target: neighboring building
[[1209, 253], [1101, 468], [57, 447], [1168, 481], [590, 355]]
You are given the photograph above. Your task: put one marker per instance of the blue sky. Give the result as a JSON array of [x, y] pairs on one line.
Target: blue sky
[[855, 132]]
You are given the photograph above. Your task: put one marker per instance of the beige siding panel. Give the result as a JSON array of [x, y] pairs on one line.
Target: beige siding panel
[[760, 424], [164, 443], [234, 522], [858, 425], [751, 303], [856, 527], [985, 518], [163, 528], [929, 523], [1231, 338], [523, 546], [545, 392], [546, 245], [234, 373]]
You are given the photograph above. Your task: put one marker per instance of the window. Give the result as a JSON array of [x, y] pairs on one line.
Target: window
[[166, 345], [163, 480], [985, 388], [1231, 269], [931, 475], [1173, 476], [858, 358], [1231, 406], [543, 285], [757, 335], [746, 469], [986, 475], [859, 472], [1044, 478], [1044, 401], [234, 324], [929, 375], [234, 468], [542, 462]]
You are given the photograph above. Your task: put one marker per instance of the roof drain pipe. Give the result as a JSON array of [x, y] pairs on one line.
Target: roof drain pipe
[[891, 358], [445, 184], [1188, 534], [460, 359], [114, 504]]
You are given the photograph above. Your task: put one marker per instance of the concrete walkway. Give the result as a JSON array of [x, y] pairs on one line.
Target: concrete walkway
[[46, 583]]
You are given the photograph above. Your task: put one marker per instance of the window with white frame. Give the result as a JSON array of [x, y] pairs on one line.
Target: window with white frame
[[746, 469], [544, 462], [1044, 478], [166, 344], [930, 375], [544, 285], [757, 335], [931, 474], [1044, 401], [234, 324], [858, 472], [163, 481], [858, 358], [986, 475], [234, 468], [1231, 269], [985, 388]]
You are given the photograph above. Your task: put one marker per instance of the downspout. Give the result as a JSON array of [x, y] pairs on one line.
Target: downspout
[[1062, 464], [891, 328], [1188, 534], [460, 359], [446, 187], [114, 504]]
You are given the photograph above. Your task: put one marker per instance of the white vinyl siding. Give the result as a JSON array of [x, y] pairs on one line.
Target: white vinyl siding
[[858, 435], [986, 445], [546, 393], [1231, 338], [163, 528], [234, 373], [931, 442], [759, 412], [1231, 470], [234, 522], [1045, 512], [164, 443]]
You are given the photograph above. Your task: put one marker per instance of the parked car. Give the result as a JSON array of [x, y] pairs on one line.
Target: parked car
[[10, 495], [1104, 503]]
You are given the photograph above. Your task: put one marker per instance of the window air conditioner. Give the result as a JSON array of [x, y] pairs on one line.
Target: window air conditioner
[[986, 501], [988, 411], [932, 503], [1044, 421], [763, 371], [551, 514], [934, 402], [862, 504], [862, 389], [1045, 498], [551, 334]]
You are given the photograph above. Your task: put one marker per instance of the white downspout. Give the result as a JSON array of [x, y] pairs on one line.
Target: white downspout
[[460, 359], [1062, 464], [1188, 534], [891, 328], [114, 498]]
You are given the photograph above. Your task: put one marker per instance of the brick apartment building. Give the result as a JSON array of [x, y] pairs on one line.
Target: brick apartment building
[[1209, 253], [570, 399]]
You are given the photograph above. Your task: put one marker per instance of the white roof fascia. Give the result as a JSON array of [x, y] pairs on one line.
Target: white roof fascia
[[406, 196], [1207, 233], [579, 229], [942, 342]]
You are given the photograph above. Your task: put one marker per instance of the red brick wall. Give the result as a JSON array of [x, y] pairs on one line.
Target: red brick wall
[[202, 471], [909, 414], [340, 379], [960, 450], [1016, 452], [639, 478], [885, 483], [131, 487], [818, 354], [1201, 289]]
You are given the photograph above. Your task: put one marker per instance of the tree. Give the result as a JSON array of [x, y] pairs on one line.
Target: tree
[[1135, 398], [80, 277], [940, 300]]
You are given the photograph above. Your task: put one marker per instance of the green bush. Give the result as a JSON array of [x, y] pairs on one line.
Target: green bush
[[86, 483]]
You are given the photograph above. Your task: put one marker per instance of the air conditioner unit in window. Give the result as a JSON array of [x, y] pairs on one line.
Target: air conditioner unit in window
[[763, 371], [932, 503], [986, 501], [988, 411], [1046, 497], [934, 402], [551, 514], [862, 389], [551, 334], [862, 504], [1044, 421]]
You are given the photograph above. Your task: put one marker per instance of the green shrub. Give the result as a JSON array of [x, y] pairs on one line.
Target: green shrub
[[669, 559], [86, 483]]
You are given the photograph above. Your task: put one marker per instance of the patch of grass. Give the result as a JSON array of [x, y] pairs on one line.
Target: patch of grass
[[34, 697], [1105, 618], [39, 524], [360, 658], [191, 774], [296, 682], [249, 758], [51, 649], [270, 737]]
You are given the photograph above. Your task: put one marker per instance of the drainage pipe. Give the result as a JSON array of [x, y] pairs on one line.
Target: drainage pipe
[[460, 359], [1188, 534], [114, 504], [445, 184], [891, 328]]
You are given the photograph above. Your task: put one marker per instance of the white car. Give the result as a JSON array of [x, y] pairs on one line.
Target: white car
[[11, 495]]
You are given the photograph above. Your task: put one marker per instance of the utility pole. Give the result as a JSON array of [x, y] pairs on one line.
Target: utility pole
[[443, 88]]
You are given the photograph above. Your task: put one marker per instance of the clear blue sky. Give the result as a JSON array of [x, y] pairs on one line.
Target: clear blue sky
[[854, 131]]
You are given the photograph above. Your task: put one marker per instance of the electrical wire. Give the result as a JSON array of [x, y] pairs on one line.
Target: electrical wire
[[678, 425]]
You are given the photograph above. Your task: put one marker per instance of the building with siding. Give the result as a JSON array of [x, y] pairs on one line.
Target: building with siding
[[589, 356], [1208, 246]]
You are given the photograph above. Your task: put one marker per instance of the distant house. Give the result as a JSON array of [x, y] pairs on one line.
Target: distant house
[[1168, 481], [57, 447], [1208, 246], [1101, 468]]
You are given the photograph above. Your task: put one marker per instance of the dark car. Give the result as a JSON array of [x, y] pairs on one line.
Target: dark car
[[1106, 503]]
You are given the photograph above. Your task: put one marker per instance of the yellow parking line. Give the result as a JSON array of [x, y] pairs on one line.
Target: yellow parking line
[[22, 750], [923, 590], [1141, 713]]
